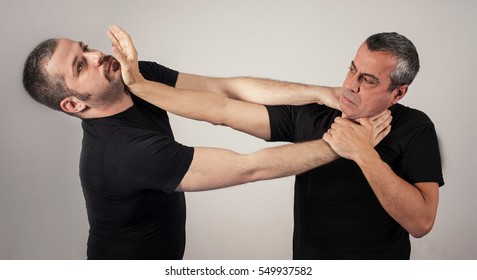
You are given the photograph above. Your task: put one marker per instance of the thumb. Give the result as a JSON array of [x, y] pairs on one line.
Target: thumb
[[362, 121]]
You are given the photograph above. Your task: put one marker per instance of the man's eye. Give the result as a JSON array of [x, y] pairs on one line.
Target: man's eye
[[369, 81], [85, 48], [79, 67], [352, 70]]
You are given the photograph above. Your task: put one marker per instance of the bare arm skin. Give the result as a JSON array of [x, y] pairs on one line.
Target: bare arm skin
[[413, 206], [213, 168], [205, 106], [194, 104], [262, 91]]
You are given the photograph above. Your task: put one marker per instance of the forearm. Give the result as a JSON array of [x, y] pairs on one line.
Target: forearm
[[412, 208], [196, 105], [213, 168], [289, 159], [262, 91], [271, 92], [205, 106]]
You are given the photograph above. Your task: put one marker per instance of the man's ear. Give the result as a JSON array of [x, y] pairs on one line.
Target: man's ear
[[400, 92], [72, 105]]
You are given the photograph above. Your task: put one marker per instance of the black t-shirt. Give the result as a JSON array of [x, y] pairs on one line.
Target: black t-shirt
[[336, 214], [130, 166]]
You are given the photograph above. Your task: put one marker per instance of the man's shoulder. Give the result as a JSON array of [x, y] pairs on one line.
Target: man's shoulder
[[312, 107], [135, 143], [407, 114], [159, 73], [408, 123], [119, 130], [148, 69]]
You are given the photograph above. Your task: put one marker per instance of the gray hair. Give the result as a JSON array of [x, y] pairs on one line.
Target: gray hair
[[405, 52]]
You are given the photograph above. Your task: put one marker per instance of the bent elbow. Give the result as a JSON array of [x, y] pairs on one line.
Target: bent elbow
[[422, 229], [419, 234]]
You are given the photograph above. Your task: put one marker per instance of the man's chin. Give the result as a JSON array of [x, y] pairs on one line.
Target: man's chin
[[349, 114]]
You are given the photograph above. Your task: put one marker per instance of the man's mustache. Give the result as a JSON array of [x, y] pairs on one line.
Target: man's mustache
[[115, 66]]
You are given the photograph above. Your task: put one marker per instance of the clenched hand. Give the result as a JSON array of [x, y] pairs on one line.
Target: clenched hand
[[349, 139]]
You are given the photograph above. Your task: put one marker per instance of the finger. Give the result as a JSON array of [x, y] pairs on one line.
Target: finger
[[340, 120], [383, 115], [119, 57], [122, 37], [124, 42], [388, 120], [364, 122], [117, 52], [334, 126], [337, 119], [378, 126], [114, 40], [382, 121], [381, 135], [115, 28], [119, 35], [327, 137], [118, 32]]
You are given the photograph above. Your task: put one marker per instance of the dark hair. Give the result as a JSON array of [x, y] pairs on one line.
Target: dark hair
[[43, 87], [405, 52]]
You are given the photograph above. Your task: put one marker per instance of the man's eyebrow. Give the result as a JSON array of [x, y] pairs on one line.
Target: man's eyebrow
[[82, 45], [364, 74], [75, 60]]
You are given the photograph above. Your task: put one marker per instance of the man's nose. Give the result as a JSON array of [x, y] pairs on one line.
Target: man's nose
[[353, 84], [95, 58]]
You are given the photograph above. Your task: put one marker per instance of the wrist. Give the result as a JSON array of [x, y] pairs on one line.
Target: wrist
[[328, 96], [138, 87], [367, 156]]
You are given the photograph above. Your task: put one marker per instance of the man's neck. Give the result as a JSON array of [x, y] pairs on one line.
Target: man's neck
[[343, 115], [105, 111]]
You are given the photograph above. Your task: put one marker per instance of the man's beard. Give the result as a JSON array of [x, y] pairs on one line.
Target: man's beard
[[111, 95], [116, 89]]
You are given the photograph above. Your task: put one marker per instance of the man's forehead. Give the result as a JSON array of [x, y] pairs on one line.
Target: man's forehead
[[66, 45], [62, 57], [378, 62]]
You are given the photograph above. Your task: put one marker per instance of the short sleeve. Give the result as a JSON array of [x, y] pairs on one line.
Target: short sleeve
[[282, 123], [155, 72], [146, 160], [422, 157]]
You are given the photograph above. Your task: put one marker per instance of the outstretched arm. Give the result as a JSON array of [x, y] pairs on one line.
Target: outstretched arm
[[199, 105], [192, 97], [216, 168], [262, 91]]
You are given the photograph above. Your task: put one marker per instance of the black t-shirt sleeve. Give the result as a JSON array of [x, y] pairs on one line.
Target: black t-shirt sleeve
[[155, 72], [282, 123], [147, 161], [421, 158]]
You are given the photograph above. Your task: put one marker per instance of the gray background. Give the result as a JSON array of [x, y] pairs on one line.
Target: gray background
[[42, 212]]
